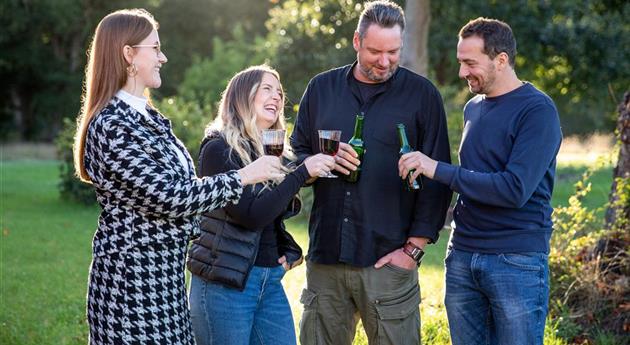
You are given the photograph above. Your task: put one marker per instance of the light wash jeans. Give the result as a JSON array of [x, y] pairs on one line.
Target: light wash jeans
[[497, 299], [258, 315]]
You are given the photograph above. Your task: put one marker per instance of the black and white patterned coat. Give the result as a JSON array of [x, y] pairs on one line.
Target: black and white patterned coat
[[149, 201]]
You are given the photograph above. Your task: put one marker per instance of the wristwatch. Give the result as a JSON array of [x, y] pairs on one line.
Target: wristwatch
[[414, 252]]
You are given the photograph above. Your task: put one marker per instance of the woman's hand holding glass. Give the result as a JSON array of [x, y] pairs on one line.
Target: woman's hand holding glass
[[319, 165], [263, 169]]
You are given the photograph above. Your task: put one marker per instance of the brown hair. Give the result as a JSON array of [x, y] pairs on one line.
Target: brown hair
[[106, 71], [497, 37]]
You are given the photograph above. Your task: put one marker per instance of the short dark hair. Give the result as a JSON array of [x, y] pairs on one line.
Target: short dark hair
[[384, 13], [497, 37]]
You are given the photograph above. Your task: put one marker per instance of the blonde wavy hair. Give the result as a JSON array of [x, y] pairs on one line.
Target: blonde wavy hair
[[106, 70], [236, 118]]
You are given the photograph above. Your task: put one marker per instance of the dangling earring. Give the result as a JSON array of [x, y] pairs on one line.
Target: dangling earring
[[132, 70]]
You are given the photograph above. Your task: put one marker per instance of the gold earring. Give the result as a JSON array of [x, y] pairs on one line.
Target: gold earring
[[132, 70]]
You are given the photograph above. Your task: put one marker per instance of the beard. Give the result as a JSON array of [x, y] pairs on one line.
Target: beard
[[371, 74], [482, 85]]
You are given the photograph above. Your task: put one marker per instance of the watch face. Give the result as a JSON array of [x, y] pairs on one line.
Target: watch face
[[417, 253]]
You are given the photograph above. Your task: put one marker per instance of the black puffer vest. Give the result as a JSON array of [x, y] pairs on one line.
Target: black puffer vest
[[225, 252]]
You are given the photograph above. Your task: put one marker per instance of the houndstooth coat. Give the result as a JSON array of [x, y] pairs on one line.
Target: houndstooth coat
[[149, 202]]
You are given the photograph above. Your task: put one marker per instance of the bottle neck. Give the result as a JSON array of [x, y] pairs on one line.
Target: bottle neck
[[358, 128], [402, 136]]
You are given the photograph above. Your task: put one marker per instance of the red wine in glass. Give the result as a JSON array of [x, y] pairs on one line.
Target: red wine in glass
[[329, 144], [273, 141], [274, 149]]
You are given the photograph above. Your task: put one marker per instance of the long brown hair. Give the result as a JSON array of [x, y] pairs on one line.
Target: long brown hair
[[236, 119], [106, 71]]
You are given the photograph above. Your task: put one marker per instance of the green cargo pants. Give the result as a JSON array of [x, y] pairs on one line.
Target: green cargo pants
[[336, 296]]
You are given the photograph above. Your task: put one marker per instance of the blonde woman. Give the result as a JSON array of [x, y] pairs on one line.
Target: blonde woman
[[146, 186], [236, 296]]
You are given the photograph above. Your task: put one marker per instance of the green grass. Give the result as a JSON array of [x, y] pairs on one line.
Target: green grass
[[567, 176], [45, 256], [45, 252]]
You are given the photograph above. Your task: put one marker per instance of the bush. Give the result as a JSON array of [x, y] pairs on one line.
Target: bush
[[206, 78], [590, 268], [189, 120], [70, 187]]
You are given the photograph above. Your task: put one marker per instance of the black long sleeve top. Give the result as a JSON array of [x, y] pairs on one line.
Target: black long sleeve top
[[357, 223], [257, 208]]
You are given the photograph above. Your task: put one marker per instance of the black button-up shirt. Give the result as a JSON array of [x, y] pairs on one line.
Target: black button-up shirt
[[358, 223]]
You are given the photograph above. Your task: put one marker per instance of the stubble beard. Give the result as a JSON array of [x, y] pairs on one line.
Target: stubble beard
[[484, 86], [369, 73]]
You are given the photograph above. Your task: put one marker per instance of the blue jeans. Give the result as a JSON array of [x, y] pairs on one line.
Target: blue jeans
[[260, 314], [496, 298]]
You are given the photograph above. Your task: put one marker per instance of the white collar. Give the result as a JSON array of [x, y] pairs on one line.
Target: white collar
[[137, 103]]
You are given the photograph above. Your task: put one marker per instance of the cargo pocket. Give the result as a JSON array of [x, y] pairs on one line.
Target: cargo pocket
[[309, 324], [399, 318]]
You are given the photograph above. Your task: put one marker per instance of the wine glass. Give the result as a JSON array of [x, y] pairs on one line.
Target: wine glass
[[329, 145], [273, 141]]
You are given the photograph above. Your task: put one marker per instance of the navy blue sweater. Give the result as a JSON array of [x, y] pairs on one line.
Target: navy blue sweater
[[508, 162]]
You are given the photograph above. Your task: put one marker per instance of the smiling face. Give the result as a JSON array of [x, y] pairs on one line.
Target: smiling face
[[475, 66], [148, 59], [378, 53], [268, 101]]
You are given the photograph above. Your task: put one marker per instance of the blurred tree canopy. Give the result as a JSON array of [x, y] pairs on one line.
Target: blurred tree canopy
[[576, 51], [43, 45]]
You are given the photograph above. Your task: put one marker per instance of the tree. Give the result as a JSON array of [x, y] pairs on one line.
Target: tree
[[415, 55], [207, 77], [43, 44], [618, 213], [188, 29], [574, 51], [309, 37]]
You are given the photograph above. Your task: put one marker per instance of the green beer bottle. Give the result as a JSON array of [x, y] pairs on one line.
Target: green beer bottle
[[357, 144], [406, 148]]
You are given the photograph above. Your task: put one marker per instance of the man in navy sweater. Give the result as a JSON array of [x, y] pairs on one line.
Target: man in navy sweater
[[496, 266]]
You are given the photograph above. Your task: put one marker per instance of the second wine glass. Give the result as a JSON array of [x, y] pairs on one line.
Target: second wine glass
[[329, 144]]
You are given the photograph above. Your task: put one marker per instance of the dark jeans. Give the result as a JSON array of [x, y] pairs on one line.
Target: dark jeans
[[496, 298], [387, 301]]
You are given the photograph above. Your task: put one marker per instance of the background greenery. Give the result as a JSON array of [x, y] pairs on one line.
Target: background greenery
[[576, 51]]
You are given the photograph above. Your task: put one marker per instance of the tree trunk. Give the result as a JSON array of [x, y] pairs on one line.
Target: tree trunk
[[619, 209], [19, 111], [415, 55]]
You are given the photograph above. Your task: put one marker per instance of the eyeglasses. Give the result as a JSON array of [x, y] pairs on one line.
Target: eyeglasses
[[156, 47]]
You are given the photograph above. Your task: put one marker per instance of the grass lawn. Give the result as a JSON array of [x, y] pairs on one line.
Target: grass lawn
[[45, 252]]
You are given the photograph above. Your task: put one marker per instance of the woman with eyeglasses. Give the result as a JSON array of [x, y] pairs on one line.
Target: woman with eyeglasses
[[146, 186]]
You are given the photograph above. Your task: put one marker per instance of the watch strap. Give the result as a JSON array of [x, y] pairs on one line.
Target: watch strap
[[413, 251]]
